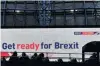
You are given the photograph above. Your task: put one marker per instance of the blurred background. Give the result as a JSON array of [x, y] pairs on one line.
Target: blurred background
[[50, 13]]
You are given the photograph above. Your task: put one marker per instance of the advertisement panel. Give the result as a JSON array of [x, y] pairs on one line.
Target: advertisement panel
[[55, 40]]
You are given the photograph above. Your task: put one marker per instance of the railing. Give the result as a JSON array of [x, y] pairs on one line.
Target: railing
[[55, 56]]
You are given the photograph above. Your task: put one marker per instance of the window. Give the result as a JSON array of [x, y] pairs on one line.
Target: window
[[10, 6], [31, 6], [20, 6], [59, 20], [89, 5], [30, 20], [20, 20], [68, 5], [2, 5], [69, 20], [80, 20], [79, 5], [9, 20]]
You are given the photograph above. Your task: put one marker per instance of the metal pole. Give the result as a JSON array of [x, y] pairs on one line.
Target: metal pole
[[85, 14]]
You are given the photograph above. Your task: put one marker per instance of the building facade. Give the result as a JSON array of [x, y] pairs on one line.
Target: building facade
[[50, 13]]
